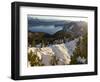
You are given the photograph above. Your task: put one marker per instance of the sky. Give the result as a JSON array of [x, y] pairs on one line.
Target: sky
[[49, 24]]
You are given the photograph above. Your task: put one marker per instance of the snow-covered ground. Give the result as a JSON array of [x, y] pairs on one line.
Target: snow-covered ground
[[62, 51], [44, 53]]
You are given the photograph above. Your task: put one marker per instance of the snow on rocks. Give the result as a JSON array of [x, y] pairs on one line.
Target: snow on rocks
[[61, 52], [71, 46], [81, 59], [45, 53]]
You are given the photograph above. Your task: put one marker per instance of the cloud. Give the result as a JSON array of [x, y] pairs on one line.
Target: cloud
[[46, 28]]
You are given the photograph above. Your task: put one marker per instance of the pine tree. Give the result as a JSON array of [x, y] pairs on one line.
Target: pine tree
[[34, 59], [54, 60], [80, 50]]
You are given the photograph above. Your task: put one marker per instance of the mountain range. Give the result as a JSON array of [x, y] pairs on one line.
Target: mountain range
[[52, 27]]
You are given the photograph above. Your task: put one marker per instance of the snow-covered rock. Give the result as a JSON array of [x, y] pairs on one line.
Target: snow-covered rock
[[62, 53], [45, 53], [71, 45], [81, 59]]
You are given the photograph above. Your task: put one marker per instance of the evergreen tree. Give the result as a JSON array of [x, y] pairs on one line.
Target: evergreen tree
[[80, 50], [54, 60], [34, 59]]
